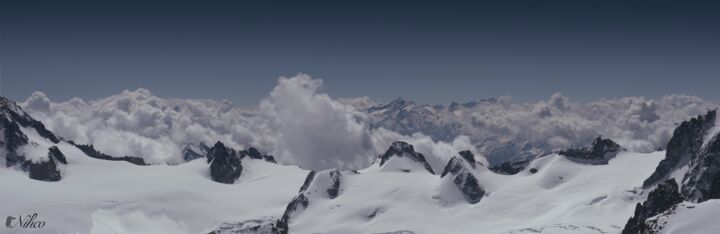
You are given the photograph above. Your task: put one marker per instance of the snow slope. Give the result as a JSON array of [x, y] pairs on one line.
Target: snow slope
[[690, 218], [562, 197], [98, 196]]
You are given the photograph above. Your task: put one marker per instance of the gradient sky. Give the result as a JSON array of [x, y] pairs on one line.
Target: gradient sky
[[430, 52]]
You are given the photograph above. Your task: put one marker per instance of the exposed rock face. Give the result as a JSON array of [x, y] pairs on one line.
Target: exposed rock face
[[702, 181], [253, 226], [685, 143], [692, 147], [308, 179], [599, 152], [14, 112], [255, 154], [510, 167], [323, 184], [54, 153], [468, 156], [12, 120], [224, 163], [664, 197], [334, 187], [298, 204], [192, 152], [464, 180], [252, 153], [402, 149], [89, 150], [14, 139], [47, 170], [269, 158]]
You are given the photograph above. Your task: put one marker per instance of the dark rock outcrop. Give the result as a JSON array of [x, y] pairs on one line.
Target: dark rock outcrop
[[685, 144], [702, 180], [308, 179], [464, 180], [225, 166], [47, 170], [14, 112], [90, 151], [12, 120], [403, 149], [299, 203], [14, 139], [664, 197], [269, 158], [599, 152], [190, 152], [468, 156], [510, 167], [334, 189], [54, 153], [252, 226], [253, 153], [314, 182]]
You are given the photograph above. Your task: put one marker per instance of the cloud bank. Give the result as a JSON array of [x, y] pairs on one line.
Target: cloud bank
[[296, 122], [502, 129], [301, 125]]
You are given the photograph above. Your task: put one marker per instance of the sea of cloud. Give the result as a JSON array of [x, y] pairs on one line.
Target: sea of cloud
[[636, 123], [300, 124]]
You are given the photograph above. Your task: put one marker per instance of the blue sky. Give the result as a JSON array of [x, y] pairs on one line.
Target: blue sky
[[430, 52]]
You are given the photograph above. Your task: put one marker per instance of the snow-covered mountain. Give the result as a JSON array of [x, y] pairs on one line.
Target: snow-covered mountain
[[599, 188]]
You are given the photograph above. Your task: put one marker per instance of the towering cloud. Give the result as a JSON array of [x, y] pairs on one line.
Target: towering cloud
[[313, 130]]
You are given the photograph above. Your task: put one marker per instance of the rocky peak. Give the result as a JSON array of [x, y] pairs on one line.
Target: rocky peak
[[684, 145], [689, 148], [401, 149], [702, 180], [396, 104], [225, 166], [253, 153], [600, 151], [12, 121], [458, 171], [191, 152], [664, 197], [9, 109], [318, 185]]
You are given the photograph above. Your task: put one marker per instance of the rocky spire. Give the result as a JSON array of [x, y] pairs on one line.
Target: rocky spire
[[225, 165], [600, 151], [403, 150]]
